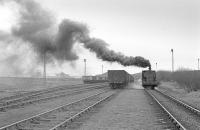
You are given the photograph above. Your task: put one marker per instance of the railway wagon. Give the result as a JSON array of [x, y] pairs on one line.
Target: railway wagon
[[119, 78], [149, 79], [93, 79]]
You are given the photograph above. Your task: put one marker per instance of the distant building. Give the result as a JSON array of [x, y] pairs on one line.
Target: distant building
[[62, 75]]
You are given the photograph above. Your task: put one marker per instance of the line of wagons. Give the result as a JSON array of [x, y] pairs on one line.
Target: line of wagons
[[120, 79]]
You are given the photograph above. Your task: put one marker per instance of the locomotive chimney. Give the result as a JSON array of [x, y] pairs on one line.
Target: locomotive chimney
[[150, 67]]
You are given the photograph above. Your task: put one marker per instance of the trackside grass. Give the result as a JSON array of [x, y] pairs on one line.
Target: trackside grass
[[188, 79]]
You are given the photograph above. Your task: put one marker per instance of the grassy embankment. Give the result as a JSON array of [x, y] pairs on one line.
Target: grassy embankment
[[188, 79], [29, 84]]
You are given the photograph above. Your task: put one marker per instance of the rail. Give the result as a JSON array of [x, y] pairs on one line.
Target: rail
[[171, 117], [49, 111]]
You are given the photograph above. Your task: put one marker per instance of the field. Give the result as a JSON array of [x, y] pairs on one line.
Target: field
[[17, 85], [187, 79]]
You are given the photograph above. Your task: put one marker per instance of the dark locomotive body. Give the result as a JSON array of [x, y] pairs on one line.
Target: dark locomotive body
[[149, 79], [119, 78]]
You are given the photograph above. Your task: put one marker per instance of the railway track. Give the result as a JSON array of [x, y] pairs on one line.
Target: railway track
[[60, 117], [30, 99], [184, 116], [43, 91], [38, 92]]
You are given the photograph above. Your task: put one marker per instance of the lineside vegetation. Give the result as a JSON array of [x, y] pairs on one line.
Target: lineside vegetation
[[188, 79]]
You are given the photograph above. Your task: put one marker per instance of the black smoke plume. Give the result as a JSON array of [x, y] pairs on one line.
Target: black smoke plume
[[36, 26], [100, 48]]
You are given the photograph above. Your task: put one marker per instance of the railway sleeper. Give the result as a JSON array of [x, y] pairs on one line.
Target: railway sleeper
[[190, 108], [70, 120]]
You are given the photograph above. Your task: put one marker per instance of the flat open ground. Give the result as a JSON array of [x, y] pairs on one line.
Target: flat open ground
[[16, 85]]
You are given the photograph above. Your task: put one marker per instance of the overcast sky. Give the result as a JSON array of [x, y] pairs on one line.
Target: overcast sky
[[147, 28]]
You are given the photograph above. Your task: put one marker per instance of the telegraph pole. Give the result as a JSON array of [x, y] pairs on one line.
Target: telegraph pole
[[156, 66], [102, 69], [198, 63], [85, 67], [172, 60], [44, 73]]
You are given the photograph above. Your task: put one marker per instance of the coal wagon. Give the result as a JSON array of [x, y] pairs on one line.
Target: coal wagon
[[93, 79], [119, 78]]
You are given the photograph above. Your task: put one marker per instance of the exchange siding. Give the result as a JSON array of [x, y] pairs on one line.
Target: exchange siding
[[131, 109]]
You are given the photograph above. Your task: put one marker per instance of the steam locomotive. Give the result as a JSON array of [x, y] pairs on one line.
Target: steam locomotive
[[149, 79]]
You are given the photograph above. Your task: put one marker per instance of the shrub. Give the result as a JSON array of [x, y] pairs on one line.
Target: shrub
[[188, 79]]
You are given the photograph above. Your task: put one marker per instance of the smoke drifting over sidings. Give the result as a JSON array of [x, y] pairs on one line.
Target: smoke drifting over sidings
[[100, 48], [37, 28]]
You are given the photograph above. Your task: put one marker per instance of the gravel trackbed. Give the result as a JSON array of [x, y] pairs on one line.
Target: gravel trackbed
[[132, 109]]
